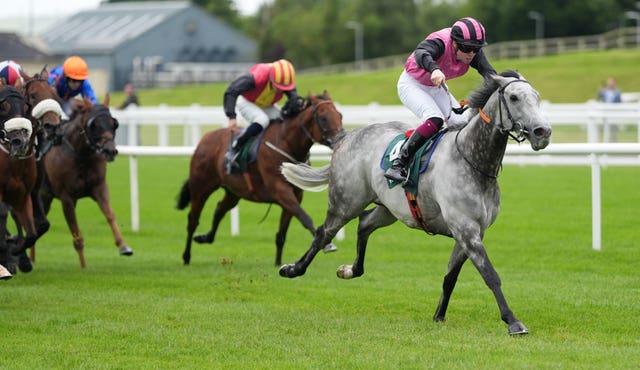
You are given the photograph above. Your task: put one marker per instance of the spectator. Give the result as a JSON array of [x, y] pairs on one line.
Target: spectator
[[131, 97], [610, 92]]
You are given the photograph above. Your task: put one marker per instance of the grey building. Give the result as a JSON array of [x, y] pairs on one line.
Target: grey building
[[151, 43]]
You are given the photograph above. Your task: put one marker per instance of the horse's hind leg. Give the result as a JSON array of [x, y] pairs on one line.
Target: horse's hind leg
[[369, 221], [69, 210], [102, 197], [457, 259], [229, 201]]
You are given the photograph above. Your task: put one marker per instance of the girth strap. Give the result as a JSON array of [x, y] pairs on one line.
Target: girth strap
[[416, 212]]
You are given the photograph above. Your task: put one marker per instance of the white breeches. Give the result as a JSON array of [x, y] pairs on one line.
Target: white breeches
[[251, 112]]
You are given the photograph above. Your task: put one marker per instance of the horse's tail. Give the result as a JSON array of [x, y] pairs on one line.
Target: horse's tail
[[306, 177], [184, 198]]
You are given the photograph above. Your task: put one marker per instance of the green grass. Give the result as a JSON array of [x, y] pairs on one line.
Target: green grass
[[230, 309], [564, 78]]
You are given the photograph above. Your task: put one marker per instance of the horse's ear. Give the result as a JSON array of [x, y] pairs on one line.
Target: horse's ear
[[25, 76], [106, 100], [326, 93]]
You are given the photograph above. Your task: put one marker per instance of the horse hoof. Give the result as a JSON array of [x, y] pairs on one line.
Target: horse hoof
[[24, 263], [288, 271], [518, 328], [345, 272], [330, 248], [125, 250], [204, 238]]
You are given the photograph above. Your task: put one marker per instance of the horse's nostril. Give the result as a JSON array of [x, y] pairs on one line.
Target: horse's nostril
[[542, 132], [16, 142]]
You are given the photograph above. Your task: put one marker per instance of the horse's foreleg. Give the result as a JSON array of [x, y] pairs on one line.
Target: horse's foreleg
[[102, 197], [25, 217], [369, 221], [39, 213], [478, 256], [229, 201], [457, 259], [69, 210], [281, 236]]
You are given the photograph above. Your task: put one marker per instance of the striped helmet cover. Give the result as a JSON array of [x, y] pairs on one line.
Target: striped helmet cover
[[282, 75], [468, 31]]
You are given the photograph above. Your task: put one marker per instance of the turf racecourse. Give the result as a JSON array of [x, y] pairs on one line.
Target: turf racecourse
[[230, 309]]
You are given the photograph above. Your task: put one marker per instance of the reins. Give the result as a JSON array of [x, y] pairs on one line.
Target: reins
[[308, 134], [485, 118]]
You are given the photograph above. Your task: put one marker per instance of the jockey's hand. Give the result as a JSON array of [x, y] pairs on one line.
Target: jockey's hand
[[437, 78], [233, 122]]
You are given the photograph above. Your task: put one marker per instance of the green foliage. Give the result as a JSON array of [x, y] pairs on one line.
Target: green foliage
[[230, 309], [563, 78]]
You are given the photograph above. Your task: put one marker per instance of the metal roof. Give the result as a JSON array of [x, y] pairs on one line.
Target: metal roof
[[109, 25]]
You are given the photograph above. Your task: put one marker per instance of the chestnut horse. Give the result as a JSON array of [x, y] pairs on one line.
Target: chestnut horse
[[18, 168], [77, 166], [287, 141]]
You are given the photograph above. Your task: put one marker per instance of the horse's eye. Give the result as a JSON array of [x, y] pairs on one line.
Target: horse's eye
[[513, 98]]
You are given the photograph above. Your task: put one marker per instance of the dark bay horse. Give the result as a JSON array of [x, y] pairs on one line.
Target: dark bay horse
[[458, 194], [288, 141], [77, 166], [45, 107], [17, 169]]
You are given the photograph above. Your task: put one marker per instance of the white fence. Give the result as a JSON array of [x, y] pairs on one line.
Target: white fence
[[589, 115], [194, 119]]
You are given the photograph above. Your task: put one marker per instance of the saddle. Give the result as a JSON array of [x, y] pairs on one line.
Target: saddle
[[246, 155], [419, 162]]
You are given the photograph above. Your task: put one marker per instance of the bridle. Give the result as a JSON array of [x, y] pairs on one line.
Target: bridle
[[96, 144], [515, 126], [324, 131]]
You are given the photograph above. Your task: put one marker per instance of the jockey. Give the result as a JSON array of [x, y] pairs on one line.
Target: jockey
[[442, 55], [254, 95], [10, 72], [70, 80]]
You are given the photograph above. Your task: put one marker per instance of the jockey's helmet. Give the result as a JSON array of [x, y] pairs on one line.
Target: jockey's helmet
[[282, 75], [10, 71], [76, 68], [468, 32]]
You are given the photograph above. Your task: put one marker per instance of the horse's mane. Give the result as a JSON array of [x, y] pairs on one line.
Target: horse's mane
[[479, 97]]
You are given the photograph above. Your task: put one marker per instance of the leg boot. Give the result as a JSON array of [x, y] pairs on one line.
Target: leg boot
[[398, 169]]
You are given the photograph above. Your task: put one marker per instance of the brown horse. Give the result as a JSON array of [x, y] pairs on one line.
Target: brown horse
[[290, 140], [77, 166], [17, 166], [45, 109]]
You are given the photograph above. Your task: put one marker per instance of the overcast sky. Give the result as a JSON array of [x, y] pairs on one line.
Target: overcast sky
[[23, 8]]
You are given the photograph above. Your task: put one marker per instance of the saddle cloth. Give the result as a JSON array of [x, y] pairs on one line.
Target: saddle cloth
[[246, 155], [418, 164]]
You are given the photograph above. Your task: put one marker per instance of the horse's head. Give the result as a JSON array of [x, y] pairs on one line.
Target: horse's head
[[516, 108], [44, 101], [16, 134], [100, 131], [322, 121]]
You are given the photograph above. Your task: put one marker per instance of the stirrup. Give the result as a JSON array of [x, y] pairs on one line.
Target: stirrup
[[398, 174]]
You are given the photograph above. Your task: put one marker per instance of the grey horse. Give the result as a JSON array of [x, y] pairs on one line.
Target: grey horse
[[458, 193]]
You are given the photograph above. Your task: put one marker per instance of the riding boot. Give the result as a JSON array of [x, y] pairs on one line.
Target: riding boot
[[237, 144], [398, 169]]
